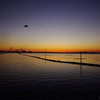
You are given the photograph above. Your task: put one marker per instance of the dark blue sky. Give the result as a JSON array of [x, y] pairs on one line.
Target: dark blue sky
[[62, 24]]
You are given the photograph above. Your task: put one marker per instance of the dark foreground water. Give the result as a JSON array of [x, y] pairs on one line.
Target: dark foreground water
[[27, 78]]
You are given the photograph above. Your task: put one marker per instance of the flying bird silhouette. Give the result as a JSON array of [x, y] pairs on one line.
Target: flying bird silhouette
[[25, 25]]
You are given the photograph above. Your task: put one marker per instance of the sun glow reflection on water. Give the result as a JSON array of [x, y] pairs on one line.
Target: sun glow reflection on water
[[86, 58], [28, 77]]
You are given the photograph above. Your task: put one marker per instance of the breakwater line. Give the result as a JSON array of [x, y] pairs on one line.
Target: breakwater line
[[70, 62]]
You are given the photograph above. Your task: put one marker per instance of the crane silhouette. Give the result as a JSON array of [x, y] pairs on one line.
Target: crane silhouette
[[19, 50]]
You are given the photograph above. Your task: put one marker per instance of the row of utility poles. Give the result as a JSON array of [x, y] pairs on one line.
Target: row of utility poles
[[80, 56], [45, 53]]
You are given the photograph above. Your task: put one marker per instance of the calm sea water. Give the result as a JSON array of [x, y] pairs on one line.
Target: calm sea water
[[23, 77], [86, 58]]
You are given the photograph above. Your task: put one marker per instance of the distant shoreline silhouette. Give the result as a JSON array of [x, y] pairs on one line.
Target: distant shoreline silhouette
[[47, 52]]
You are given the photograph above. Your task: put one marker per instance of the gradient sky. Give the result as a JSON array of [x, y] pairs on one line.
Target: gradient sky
[[54, 25]]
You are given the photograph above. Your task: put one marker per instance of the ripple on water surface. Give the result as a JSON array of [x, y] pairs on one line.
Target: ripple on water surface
[[27, 77]]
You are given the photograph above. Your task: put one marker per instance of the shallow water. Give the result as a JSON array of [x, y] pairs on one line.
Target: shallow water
[[23, 77], [86, 58]]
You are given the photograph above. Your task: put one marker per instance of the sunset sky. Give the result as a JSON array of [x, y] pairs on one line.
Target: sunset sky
[[53, 25]]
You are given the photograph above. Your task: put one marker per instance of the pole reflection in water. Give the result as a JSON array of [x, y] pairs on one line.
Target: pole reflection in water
[[80, 70]]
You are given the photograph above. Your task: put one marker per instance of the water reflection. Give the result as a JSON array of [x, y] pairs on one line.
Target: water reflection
[[25, 77], [80, 70], [86, 58]]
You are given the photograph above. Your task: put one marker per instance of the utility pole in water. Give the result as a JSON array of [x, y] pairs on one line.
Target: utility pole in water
[[80, 63], [80, 57], [45, 54]]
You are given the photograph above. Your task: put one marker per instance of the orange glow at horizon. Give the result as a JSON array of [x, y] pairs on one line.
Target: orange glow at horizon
[[51, 28], [52, 49], [51, 45]]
